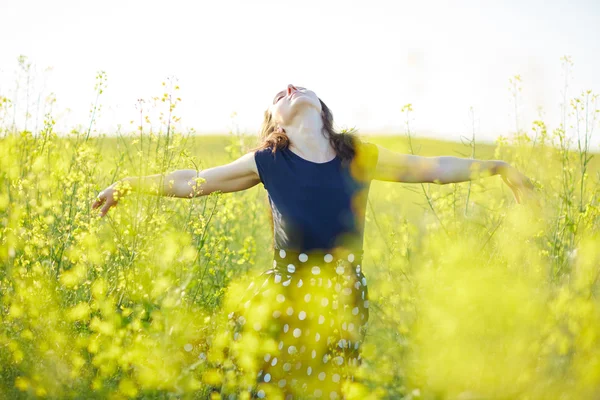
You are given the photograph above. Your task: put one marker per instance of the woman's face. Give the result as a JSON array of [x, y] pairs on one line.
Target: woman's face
[[287, 103]]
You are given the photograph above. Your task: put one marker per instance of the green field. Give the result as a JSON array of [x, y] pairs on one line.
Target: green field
[[473, 296]]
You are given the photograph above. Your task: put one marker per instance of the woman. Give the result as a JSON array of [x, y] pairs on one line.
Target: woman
[[300, 330]]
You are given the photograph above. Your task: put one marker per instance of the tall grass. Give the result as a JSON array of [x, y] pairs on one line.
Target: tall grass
[[473, 297]]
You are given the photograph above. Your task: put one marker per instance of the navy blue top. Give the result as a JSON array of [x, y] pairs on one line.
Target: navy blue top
[[317, 206]]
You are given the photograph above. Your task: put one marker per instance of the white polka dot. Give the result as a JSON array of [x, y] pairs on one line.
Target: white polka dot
[[257, 326], [277, 278], [287, 367], [328, 257], [276, 314], [274, 263], [328, 283], [355, 311], [267, 357], [325, 359], [350, 327], [301, 315], [282, 383], [347, 291], [289, 311], [307, 297], [339, 360], [340, 270], [298, 365], [242, 320], [366, 303], [363, 294], [261, 394], [316, 270], [282, 253], [345, 326], [274, 362], [335, 378], [286, 327], [188, 347], [350, 257], [321, 319], [324, 302], [300, 283], [342, 343], [364, 281], [333, 396], [291, 268], [322, 376], [308, 371], [267, 377], [287, 283], [314, 354], [357, 285], [318, 393], [303, 257], [317, 337], [292, 350], [280, 345], [358, 269], [280, 298], [297, 332]]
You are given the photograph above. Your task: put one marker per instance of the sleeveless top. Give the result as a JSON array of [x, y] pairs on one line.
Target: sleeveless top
[[317, 206]]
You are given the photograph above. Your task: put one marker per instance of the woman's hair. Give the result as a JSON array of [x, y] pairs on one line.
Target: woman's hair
[[344, 142]]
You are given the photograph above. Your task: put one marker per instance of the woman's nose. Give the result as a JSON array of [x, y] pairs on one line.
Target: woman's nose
[[291, 88]]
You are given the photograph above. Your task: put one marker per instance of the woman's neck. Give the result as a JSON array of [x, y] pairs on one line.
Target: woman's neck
[[307, 137]]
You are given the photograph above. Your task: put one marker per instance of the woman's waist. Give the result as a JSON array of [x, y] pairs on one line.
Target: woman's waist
[[316, 261]]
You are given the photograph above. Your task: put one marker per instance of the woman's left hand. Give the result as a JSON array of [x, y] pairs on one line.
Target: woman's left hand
[[521, 185]]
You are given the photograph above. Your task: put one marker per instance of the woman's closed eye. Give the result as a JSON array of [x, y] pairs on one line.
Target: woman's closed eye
[[278, 97]]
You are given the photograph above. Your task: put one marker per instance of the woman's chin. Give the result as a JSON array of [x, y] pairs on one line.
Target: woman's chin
[[304, 103]]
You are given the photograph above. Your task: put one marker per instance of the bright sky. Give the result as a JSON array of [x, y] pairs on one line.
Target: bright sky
[[364, 59]]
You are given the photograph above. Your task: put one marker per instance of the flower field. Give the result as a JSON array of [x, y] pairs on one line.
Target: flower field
[[472, 295]]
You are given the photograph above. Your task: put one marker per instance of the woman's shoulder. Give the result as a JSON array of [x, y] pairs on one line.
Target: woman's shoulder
[[365, 148], [264, 154], [365, 158]]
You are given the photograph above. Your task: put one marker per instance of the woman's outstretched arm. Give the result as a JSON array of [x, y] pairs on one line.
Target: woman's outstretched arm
[[238, 175], [397, 167]]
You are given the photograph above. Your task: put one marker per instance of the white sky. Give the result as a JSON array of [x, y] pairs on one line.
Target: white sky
[[365, 60]]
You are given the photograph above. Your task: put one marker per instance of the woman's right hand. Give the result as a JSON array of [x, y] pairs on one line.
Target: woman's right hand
[[108, 198]]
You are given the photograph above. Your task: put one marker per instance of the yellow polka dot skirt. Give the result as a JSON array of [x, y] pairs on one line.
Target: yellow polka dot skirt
[[300, 326]]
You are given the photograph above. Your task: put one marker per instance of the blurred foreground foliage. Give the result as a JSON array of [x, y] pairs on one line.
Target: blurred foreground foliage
[[473, 297]]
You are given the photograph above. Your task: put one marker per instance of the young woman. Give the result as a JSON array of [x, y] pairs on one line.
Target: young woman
[[303, 325]]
